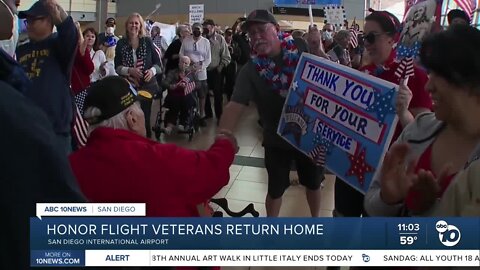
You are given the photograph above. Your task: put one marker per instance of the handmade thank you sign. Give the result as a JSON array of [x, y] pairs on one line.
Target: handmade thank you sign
[[339, 117]]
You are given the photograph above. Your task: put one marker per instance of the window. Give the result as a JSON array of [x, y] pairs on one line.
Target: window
[[449, 5]]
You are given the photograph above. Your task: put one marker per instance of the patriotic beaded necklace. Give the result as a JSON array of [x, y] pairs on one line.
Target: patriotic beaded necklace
[[279, 78]]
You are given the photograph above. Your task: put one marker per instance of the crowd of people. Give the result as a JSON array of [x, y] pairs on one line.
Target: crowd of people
[[76, 107]]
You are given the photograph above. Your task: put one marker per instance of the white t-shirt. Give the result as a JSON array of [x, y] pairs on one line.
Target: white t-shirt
[[110, 69], [98, 58], [199, 52]]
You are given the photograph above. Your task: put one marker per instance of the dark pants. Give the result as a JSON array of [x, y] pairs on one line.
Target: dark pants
[[146, 105], [278, 162], [230, 73], [178, 109], [214, 80], [348, 201]]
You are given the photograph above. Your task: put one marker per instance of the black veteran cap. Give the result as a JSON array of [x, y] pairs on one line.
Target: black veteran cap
[[111, 95], [259, 16]]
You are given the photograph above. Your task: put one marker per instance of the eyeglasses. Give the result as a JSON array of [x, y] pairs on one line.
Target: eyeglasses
[[31, 20], [260, 29], [371, 37]]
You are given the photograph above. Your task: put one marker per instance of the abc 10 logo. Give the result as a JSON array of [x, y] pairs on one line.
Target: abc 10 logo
[[449, 235]]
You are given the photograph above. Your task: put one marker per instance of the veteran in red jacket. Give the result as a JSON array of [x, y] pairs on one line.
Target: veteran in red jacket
[[120, 165]]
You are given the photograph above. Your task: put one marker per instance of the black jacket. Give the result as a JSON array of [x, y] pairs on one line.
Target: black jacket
[[35, 169]]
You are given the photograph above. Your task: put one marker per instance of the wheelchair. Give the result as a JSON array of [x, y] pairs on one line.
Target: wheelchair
[[192, 126]]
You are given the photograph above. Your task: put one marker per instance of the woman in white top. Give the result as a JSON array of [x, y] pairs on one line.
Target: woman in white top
[[97, 55]]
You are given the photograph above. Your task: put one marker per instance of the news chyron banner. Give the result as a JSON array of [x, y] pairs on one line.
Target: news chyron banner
[[141, 241]]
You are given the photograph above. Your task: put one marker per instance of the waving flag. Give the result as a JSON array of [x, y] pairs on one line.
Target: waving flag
[[469, 6]]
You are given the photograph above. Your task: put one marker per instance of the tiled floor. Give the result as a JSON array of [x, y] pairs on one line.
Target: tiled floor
[[249, 184]]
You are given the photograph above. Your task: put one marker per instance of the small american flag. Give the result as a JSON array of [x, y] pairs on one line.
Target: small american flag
[[354, 33], [469, 6], [139, 64], [190, 87], [318, 155], [80, 128], [405, 69], [319, 152], [159, 52]]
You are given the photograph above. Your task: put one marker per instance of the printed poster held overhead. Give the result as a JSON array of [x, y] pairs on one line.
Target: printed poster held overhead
[[340, 117], [196, 13]]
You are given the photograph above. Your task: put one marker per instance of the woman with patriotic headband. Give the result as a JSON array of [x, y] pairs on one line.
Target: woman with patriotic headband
[[381, 33]]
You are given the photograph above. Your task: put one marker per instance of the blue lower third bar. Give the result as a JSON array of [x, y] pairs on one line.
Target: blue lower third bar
[[52, 258]]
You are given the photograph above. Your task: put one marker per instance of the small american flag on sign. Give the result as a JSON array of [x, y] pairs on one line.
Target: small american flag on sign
[[469, 6], [318, 155], [319, 152]]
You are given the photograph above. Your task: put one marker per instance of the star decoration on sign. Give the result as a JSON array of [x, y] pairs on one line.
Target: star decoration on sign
[[359, 166], [327, 144], [382, 105], [294, 86]]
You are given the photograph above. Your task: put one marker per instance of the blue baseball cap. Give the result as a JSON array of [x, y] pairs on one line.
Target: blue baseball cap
[[39, 9]]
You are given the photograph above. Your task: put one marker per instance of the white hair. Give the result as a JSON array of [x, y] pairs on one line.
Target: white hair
[[181, 28], [342, 34], [119, 121]]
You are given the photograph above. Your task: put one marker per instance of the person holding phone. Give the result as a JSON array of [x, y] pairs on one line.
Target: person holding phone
[[137, 60]]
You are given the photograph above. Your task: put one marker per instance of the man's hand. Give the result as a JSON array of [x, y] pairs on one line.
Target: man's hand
[[226, 134], [56, 11]]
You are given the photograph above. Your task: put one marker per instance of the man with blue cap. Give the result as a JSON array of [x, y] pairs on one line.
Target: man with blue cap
[[47, 59]]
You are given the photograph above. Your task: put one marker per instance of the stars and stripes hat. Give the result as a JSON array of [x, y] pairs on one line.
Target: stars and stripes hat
[[111, 96]]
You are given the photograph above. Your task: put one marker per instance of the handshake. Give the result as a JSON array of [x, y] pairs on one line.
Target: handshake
[[226, 134]]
